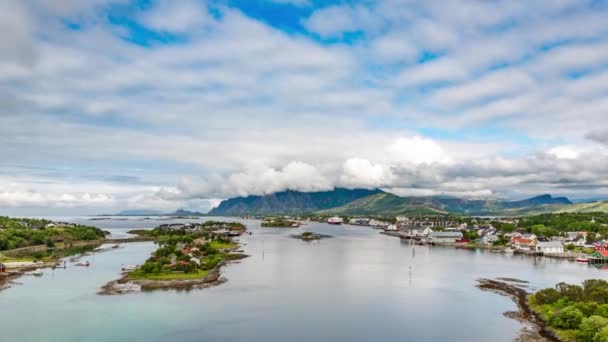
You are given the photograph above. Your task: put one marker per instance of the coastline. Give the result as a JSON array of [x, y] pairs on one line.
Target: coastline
[[126, 284], [18, 269], [536, 328]]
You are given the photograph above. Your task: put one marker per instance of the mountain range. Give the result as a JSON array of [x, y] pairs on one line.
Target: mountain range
[[378, 202]]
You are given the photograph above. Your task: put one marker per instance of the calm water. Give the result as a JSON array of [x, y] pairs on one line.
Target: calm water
[[358, 286]]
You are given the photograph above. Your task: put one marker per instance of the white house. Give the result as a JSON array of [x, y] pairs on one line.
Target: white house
[[445, 236], [549, 247], [427, 231]]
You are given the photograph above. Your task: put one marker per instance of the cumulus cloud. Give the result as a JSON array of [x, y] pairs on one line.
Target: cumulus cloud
[[171, 16], [348, 95]]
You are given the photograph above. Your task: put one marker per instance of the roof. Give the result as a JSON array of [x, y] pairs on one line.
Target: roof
[[523, 241], [549, 244], [447, 234], [601, 252]]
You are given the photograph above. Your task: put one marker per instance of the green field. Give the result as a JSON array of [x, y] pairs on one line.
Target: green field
[[137, 274]]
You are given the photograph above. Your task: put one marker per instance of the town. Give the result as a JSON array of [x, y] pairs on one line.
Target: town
[[580, 237]]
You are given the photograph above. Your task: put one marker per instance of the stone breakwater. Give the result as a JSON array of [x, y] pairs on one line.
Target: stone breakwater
[[537, 330]]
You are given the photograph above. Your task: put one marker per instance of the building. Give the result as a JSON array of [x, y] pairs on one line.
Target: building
[[443, 237], [599, 256], [549, 247], [521, 243], [2, 268]]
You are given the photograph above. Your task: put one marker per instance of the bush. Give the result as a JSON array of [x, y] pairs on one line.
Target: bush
[[590, 327], [602, 310], [567, 318], [601, 336], [587, 308], [547, 296]]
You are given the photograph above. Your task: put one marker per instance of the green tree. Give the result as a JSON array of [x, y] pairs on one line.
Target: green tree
[[587, 308], [589, 327], [602, 310], [572, 292], [601, 336], [567, 318], [547, 296]]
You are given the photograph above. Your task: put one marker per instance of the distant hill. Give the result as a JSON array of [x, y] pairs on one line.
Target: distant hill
[[591, 207], [183, 212], [148, 212], [386, 204], [389, 204], [290, 202], [139, 212], [377, 202]]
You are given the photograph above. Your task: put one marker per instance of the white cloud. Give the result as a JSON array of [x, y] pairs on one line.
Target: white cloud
[[172, 16]]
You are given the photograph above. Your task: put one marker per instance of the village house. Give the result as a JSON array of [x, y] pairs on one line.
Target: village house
[[522, 243], [489, 239], [548, 247], [445, 237]]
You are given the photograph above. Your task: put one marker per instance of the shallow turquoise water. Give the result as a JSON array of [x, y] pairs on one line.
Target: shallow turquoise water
[[357, 286]]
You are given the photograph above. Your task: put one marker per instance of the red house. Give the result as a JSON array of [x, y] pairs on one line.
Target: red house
[[2, 268]]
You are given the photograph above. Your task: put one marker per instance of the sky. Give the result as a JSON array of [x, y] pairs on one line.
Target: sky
[[109, 105]]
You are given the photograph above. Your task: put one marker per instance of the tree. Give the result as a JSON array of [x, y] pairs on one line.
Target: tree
[[547, 296], [602, 310], [596, 290], [601, 336], [587, 308], [572, 292], [567, 318], [589, 327]]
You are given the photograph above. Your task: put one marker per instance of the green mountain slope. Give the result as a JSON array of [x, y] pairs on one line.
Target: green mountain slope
[[389, 204], [385, 204], [289, 202], [591, 207]]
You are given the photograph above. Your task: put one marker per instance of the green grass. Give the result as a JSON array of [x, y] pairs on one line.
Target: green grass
[[20, 259], [222, 245], [168, 275]]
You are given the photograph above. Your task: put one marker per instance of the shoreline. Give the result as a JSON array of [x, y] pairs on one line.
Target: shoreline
[[126, 284], [539, 330], [564, 255], [18, 271]]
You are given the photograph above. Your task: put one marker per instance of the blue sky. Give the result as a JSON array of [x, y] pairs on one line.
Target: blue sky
[[118, 104]]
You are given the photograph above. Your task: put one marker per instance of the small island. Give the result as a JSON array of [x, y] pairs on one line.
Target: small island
[[279, 222], [189, 256], [311, 236]]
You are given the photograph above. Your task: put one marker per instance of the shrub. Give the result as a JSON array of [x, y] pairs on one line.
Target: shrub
[[587, 308], [567, 318], [602, 310], [589, 327], [601, 336]]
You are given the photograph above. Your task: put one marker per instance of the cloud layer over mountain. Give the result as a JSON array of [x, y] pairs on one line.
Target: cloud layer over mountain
[[110, 104]]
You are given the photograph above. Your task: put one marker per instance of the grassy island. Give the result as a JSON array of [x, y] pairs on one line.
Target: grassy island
[[279, 222], [187, 253], [575, 313], [19, 233]]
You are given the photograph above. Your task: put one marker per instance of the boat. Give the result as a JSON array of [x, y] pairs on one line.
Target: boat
[[335, 220], [37, 273], [582, 259], [509, 250], [83, 264], [115, 246]]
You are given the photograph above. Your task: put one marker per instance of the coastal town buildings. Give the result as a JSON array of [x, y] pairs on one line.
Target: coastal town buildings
[[444, 237], [549, 247]]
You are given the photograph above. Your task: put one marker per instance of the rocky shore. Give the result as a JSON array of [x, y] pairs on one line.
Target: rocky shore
[[126, 284], [535, 328]]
